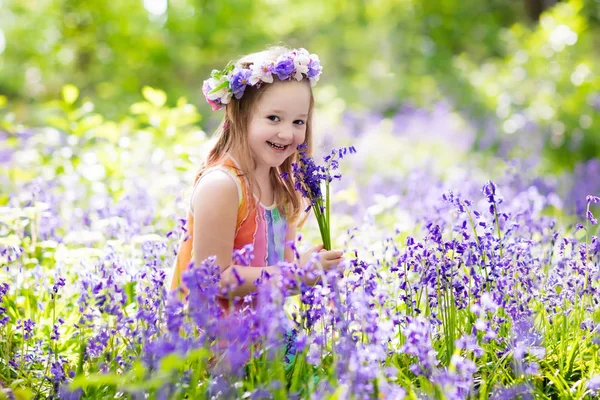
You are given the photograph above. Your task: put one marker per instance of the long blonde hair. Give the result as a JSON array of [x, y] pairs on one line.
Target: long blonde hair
[[232, 133]]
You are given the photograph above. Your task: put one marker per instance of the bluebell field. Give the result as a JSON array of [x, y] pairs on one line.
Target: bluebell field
[[465, 276]]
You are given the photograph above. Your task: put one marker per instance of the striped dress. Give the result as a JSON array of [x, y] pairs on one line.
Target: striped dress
[[261, 226]]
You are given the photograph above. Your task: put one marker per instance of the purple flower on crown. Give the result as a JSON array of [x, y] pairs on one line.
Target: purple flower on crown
[[314, 68], [239, 81], [284, 68]]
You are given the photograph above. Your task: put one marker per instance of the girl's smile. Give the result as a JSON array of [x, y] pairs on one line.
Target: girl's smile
[[278, 147]]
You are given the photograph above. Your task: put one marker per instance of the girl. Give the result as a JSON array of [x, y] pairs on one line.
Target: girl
[[239, 197]]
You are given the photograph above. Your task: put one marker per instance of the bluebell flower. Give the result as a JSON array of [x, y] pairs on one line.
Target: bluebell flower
[[418, 343], [594, 384], [591, 218], [592, 199]]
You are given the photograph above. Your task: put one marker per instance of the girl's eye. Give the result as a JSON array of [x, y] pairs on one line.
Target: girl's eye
[[299, 122], [273, 118]]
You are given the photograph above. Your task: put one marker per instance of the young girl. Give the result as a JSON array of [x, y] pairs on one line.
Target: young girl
[[239, 197]]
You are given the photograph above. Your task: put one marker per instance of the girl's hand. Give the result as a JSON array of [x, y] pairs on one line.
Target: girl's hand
[[327, 258]]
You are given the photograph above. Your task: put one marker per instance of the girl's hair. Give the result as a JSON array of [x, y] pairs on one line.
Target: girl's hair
[[232, 133]]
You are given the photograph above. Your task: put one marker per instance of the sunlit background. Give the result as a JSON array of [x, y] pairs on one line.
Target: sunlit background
[[518, 72], [103, 125]]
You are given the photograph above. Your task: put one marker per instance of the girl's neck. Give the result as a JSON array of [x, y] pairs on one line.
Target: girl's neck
[[261, 178], [260, 173]]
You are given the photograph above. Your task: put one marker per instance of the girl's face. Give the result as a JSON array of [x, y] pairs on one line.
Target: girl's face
[[278, 124]]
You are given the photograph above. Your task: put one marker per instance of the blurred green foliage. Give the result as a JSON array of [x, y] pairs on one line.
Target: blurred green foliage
[[536, 78]]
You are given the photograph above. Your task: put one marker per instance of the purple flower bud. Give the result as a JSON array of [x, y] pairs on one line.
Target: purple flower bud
[[237, 275], [240, 80], [592, 199], [595, 245], [284, 68], [28, 325], [314, 68], [591, 218], [489, 189]]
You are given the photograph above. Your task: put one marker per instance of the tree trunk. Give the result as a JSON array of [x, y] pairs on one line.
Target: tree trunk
[[535, 8]]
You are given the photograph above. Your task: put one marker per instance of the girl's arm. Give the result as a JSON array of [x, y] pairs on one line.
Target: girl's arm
[[215, 203], [288, 253]]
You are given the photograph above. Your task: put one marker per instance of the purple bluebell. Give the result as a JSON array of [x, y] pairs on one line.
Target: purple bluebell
[[593, 384], [418, 343]]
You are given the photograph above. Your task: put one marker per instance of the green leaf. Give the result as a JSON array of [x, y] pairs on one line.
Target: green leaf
[[70, 93], [23, 394], [156, 97], [89, 122], [130, 292], [171, 362], [340, 393], [221, 86], [111, 379], [299, 371], [182, 101], [109, 131], [58, 122]]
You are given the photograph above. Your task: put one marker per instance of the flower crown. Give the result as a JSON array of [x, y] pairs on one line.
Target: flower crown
[[232, 81]]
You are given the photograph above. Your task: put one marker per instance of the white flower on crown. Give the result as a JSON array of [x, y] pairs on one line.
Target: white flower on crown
[[227, 97], [301, 60], [224, 93], [261, 72], [313, 81]]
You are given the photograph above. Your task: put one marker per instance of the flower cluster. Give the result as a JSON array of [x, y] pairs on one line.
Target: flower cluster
[[233, 80], [308, 177]]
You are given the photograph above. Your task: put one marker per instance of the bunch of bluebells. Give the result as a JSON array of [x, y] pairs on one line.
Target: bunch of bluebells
[[309, 178], [234, 79]]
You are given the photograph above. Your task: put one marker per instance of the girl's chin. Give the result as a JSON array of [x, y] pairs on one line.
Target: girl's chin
[[275, 160]]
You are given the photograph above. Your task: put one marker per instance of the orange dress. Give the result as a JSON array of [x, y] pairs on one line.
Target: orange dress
[[260, 226]]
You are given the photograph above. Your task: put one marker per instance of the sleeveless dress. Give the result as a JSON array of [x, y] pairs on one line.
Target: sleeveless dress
[[258, 225]]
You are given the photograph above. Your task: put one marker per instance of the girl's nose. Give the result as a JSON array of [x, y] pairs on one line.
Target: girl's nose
[[286, 134]]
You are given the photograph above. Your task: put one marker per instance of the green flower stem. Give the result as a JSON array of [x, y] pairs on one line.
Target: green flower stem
[[323, 223], [328, 219], [498, 228]]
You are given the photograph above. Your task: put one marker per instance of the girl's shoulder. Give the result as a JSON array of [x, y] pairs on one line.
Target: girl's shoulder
[[222, 177], [217, 184]]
